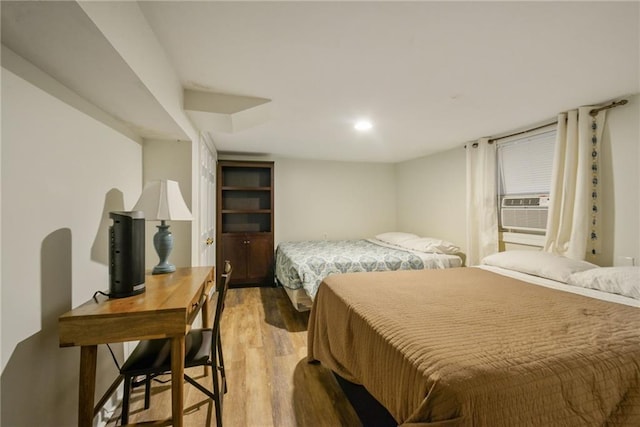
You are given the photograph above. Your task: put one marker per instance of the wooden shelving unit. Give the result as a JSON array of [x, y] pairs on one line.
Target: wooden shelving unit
[[245, 220]]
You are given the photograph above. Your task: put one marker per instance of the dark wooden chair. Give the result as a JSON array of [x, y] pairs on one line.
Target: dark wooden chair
[[203, 347]]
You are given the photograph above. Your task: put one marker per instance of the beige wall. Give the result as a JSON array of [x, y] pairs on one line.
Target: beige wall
[[333, 200], [62, 172], [620, 164], [431, 196]]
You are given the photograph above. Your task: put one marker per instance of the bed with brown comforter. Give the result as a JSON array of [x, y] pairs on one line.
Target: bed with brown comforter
[[467, 346]]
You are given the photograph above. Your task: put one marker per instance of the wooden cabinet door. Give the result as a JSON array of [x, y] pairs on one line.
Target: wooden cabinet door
[[234, 249], [260, 258]]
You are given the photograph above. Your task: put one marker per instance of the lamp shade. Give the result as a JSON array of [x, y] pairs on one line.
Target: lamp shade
[[162, 200]]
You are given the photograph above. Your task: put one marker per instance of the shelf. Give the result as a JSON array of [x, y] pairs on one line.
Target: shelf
[[243, 233], [246, 211], [237, 188], [246, 201], [243, 177]]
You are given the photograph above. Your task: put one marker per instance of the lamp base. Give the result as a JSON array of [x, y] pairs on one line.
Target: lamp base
[[163, 242], [162, 269]]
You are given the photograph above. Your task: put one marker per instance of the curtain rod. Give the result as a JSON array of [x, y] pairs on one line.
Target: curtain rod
[[594, 112], [492, 140], [614, 104]]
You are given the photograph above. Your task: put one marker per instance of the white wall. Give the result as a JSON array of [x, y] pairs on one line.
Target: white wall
[[431, 195], [620, 164], [332, 200], [170, 160], [62, 172], [431, 190]]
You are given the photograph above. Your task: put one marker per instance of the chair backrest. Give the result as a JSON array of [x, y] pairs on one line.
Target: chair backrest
[[222, 294]]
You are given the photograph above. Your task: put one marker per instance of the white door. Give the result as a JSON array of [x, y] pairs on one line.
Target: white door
[[207, 202]]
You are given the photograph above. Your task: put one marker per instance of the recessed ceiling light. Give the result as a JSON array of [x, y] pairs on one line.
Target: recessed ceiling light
[[363, 125]]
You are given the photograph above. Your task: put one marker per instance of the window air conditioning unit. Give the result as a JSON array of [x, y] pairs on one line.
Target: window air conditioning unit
[[524, 213]]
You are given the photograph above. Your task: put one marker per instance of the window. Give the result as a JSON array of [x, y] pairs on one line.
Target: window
[[525, 163]]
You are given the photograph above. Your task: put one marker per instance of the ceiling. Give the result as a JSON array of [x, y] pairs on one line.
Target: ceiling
[[430, 75], [61, 40]]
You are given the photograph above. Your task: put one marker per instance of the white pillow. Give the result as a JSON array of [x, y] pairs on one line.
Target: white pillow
[[538, 263], [615, 280], [395, 237], [430, 245]]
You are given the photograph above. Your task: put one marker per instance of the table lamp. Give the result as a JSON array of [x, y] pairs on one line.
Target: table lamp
[[162, 201]]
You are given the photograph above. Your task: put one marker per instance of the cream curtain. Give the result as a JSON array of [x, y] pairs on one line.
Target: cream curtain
[[482, 205], [572, 204]]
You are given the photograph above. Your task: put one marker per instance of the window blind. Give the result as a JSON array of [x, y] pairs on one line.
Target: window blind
[[525, 164]]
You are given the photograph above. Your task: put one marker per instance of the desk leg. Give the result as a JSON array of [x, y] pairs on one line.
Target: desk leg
[[87, 387], [177, 379], [206, 323]]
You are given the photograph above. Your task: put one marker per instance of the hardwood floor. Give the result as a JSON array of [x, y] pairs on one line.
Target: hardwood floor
[[269, 380]]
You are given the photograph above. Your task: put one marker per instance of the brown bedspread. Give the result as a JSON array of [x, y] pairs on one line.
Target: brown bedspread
[[466, 346]]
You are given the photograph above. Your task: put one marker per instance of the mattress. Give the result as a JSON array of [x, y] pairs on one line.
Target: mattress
[[469, 346], [304, 264]]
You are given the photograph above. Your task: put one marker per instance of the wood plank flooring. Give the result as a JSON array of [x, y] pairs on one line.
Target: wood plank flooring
[[270, 383]]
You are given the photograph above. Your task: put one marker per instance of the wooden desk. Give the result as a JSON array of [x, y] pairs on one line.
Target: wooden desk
[[166, 310]]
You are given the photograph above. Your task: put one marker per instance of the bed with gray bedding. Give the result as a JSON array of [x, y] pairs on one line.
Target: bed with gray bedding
[[301, 266]]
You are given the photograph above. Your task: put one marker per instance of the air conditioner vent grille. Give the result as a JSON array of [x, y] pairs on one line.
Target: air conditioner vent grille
[[529, 201], [525, 213]]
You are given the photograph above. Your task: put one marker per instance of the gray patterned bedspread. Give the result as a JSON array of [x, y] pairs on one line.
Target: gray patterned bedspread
[[305, 264]]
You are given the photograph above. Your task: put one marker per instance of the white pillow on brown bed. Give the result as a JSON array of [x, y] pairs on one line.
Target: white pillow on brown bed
[[614, 280], [538, 263], [396, 237]]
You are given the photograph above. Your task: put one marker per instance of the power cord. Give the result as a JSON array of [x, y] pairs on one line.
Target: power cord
[[113, 356], [101, 293]]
